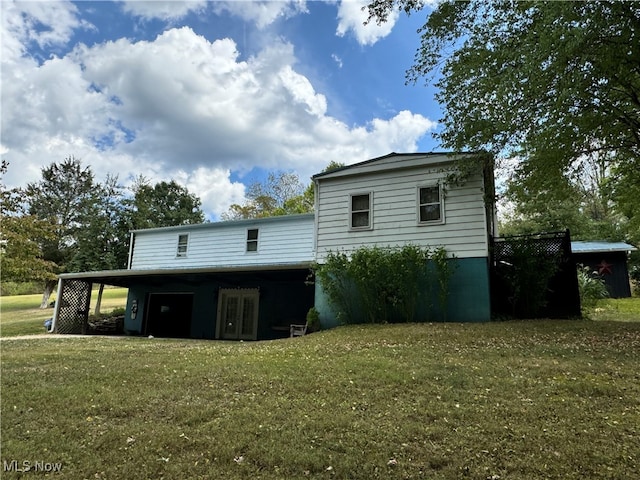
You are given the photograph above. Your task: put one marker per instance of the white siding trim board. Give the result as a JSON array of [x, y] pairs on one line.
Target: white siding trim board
[[396, 162]]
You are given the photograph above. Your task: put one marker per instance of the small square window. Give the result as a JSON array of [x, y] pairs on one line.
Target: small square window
[[183, 245], [360, 211], [252, 240], [429, 204]]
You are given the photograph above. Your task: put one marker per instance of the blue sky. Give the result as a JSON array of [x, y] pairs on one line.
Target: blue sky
[[211, 94]]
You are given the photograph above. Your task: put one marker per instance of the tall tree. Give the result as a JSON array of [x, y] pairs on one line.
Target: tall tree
[[282, 193], [21, 238], [63, 198], [551, 83], [582, 202], [102, 243], [163, 205]]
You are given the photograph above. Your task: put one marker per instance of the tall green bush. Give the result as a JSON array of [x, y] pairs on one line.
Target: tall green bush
[[382, 284], [592, 288]]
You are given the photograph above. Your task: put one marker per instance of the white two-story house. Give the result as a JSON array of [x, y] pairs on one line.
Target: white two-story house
[[251, 279]]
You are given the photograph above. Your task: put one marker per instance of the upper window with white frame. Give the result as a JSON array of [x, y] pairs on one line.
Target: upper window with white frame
[[252, 240], [430, 205], [183, 245], [360, 211]]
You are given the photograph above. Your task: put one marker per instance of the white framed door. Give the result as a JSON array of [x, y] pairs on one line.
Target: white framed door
[[237, 317]]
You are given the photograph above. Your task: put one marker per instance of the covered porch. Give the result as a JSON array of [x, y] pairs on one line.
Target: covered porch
[[231, 303]]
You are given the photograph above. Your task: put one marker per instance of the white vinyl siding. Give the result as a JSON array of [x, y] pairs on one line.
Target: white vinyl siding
[[282, 240], [395, 203]]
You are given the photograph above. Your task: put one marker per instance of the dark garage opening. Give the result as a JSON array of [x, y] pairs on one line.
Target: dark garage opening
[[169, 315]]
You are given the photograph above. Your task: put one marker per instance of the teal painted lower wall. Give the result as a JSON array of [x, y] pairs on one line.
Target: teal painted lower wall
[[468, 300], [284, 299]]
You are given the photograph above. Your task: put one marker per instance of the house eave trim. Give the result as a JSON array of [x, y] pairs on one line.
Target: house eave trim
[[106, 274]]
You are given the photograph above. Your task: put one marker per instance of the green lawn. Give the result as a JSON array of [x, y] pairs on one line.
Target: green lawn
[[21, 314], [619, 310], [507, 400]]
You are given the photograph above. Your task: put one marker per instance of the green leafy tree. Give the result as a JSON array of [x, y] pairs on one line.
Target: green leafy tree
[[583, 202], [559, 77], [103, 242], [21, 239], [164, 204], [63, 198], [282, 193]]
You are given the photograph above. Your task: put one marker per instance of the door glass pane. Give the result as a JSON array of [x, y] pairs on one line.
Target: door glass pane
[[230, 315], [248, 316]]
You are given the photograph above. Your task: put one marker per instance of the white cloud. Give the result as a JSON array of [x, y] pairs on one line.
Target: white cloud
[[43, 23], [181, 107], [262, 13], [352, 15], [214, 188], [163, 10], [337, 59]]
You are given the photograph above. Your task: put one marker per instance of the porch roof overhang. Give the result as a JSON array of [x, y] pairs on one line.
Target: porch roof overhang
[[125, 278]]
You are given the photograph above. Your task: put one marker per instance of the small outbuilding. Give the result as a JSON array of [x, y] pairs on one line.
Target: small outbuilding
[[608, 260]]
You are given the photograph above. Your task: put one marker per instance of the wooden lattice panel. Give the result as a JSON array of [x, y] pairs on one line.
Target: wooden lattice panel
[[73, 309]]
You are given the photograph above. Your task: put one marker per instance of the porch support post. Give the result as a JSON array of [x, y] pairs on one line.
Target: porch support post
[[99, 301], [58, 304]]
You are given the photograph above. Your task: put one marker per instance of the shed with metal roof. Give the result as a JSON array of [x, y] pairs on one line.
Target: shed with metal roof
[[608, 261]]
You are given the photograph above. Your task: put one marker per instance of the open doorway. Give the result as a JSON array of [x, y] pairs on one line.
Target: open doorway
[[169, 315]]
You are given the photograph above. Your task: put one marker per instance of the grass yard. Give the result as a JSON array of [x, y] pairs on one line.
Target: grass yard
[[619, 310], [21, 314], [503, 400]]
